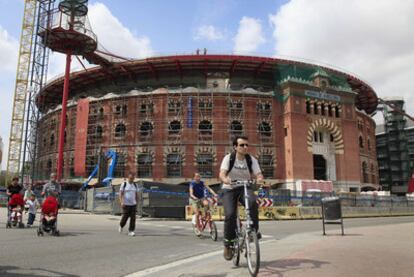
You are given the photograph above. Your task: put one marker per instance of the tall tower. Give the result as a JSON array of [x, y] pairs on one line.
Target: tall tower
[[69, 35]]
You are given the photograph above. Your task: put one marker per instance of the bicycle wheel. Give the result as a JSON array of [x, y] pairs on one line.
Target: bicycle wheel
[[252, 252], [236, 253], [213, 231]]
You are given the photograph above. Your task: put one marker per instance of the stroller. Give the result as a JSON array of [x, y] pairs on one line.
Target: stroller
[[15, 211], [48, 217]]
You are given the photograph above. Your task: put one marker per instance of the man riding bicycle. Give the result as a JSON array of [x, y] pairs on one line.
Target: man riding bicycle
[[198, 194], [238, 166]]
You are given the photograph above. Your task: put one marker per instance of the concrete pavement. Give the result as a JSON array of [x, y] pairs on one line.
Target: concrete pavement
[[91, 246], [381, 251]]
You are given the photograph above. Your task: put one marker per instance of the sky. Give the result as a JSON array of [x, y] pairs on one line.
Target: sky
[[372, 39]]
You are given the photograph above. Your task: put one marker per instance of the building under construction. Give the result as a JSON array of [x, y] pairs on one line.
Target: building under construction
[[168, 117]]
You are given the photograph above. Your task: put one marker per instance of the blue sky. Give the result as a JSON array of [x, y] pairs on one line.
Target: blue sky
[[371, 39]]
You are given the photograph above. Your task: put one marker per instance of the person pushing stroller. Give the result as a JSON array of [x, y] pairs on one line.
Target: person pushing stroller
[[15, 204]]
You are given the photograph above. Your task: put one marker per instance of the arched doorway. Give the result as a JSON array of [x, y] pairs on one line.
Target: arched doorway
[[319, 167]]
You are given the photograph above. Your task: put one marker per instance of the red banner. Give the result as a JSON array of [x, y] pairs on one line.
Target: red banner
[[411, 185], [82, 116], [323, 186]]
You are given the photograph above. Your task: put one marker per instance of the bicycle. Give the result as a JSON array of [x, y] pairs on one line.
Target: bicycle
[[204, 220], [246, 240]]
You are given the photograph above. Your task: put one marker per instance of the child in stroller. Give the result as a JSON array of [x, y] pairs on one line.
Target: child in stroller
[[15, 211], [48, 217]]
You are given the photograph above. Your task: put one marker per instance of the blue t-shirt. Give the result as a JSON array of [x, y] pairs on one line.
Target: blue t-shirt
[[199, 190]]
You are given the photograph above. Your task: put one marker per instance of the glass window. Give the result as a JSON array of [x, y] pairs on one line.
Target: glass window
[[266, 164], [144, 165], [120, 130], [119, 171], [146, 129], [205, 127], [205, 165], [265, 129], [175, 127], [174, 165]]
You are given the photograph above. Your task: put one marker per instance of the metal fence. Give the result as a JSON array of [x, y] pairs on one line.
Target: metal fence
[[154, 200], [305, 199]]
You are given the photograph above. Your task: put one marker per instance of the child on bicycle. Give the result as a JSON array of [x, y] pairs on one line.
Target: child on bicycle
[[198, 195]]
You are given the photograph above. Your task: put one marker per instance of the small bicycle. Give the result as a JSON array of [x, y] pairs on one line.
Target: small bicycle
[[204, 220], [246, 240]]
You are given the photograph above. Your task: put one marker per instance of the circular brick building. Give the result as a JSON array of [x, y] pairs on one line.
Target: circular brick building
[[168, 117]]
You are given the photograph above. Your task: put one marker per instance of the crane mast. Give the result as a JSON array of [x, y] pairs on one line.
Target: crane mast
[[21, 88]]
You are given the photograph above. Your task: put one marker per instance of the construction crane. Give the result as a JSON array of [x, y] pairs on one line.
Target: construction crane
[[21, 88], [31, 75]]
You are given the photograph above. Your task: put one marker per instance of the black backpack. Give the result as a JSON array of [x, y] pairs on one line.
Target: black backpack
[[125, 183], [233, 160]]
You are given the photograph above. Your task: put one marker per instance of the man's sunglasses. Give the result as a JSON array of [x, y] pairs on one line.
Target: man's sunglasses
[[244, 145]]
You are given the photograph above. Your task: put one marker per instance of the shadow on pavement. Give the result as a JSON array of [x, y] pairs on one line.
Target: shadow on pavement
[[203, 275], [72, 234], [14, 271], [279, 267], [345, 235]]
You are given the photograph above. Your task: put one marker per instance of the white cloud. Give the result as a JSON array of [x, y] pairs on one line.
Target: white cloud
[[208, 32], [8, 64], [8, 54], [114, 36], [249, 35], [371, 38]]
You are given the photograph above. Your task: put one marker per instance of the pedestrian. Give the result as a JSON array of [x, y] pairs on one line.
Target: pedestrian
[[238, 166], [52, 188], [128, 196], [32, 205], [29, 191], [14, 187]]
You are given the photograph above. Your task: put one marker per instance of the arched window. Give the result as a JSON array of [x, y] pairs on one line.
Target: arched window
[[98, 132], [52, 139], [361, 142], [205, 127], [120, 130], [174, 165], [49, 168], [119, 171], [72, 167], [146, 129], [144, 165], [315, 108], [266, 164], [373, 175], [174, 128], [365, 172], [322, 109], [101, 113], [91, 162], [236, 128], [337, 112], [330, 110], [205, 165], [265, 129], [308, 107]]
